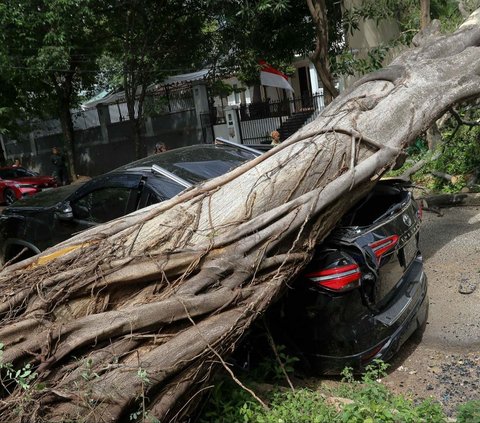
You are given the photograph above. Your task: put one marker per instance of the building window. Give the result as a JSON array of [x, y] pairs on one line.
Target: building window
[[236, 94]]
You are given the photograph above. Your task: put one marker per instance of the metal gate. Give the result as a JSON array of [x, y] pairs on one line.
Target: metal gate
[[258, 120]]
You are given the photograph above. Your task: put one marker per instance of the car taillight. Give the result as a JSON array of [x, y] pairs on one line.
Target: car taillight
[[383, 246], [338, 278], [369, 355]]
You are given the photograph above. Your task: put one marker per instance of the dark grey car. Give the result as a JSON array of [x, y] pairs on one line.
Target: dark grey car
[[31, 225]]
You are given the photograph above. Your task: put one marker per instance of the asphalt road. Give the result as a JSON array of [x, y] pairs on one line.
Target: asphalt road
[[445, 362], [450, 245]]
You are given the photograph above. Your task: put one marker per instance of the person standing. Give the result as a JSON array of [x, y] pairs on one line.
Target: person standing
[[160, 147], [59, 167], [275, 136]]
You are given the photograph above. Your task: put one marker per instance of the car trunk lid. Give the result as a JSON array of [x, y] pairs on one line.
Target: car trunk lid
[[384, 228]]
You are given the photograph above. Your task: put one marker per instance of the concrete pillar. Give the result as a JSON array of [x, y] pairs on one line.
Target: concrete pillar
[[243, 97], [313, 79], [200, 100], [104, 118], [33, 146], [149, 127], [149, 105], [233, 124]]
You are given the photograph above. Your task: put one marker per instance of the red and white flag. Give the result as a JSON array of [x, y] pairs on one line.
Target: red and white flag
[[272, 77]]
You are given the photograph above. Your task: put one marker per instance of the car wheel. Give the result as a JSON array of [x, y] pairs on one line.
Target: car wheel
[[9, 196]]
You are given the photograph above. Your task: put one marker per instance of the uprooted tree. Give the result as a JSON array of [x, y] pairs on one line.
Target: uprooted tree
[[130, 318]]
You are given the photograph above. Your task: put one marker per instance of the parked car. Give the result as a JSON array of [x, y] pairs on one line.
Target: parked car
[[365, 291], [28, 181], [52, 216], [11, 191], [361, 297]]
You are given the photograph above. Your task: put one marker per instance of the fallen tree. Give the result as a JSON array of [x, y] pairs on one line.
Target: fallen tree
[[126, 321]]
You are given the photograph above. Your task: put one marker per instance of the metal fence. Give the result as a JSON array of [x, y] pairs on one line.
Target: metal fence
[[258, 120], [169, 99]]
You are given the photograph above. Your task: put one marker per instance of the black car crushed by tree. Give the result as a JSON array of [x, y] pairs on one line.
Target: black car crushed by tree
[[361, 297], [365, 291]]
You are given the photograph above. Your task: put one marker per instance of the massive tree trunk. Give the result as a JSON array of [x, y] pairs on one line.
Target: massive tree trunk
[[424, 13], [132, 316]]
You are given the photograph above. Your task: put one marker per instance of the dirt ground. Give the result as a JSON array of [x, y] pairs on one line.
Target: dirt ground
[[445, 362]]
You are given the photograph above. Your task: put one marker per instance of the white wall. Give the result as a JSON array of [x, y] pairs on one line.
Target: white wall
[[220, 131]]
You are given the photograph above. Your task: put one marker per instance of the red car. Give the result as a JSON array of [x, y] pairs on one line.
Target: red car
[[16, 182], [11, 191]]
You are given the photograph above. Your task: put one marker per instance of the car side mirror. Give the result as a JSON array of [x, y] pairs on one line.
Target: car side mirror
[[64, 211]]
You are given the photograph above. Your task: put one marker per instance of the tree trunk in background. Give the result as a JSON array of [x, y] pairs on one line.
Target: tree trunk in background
[[424, 13], [64, 91], [135, 98], [134, 315], [69, 140], [319, 56], [434, 137]]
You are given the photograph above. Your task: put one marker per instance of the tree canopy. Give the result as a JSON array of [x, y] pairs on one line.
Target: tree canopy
[[149, 40], [53, 52], [50, 50]]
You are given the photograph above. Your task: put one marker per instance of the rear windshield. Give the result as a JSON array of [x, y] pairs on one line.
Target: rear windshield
[[196, 163], [382, 200]]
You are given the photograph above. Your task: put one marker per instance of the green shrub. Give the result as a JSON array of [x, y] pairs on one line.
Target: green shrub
[[353, 401], [460, 157], [469, 412], [301, 406], [226, 403]]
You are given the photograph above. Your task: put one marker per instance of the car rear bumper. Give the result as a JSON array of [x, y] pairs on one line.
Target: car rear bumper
[[399, 321]]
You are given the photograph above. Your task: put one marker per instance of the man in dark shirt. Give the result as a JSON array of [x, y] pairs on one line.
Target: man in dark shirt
[[59, 167]]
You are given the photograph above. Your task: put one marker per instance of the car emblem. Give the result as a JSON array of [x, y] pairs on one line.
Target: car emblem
[[406, 219]]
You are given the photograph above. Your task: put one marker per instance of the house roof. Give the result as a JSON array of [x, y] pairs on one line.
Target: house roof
[[115, 96]]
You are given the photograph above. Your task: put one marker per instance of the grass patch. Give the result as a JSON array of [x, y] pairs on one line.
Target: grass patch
[[354, 400]]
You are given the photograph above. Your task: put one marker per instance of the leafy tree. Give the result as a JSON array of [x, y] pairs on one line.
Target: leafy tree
[[7, 101], [50, 51], [277, 30], [150, 40]]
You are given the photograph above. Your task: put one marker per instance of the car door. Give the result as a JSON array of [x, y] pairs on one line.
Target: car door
[[158, 188], [105, 199]]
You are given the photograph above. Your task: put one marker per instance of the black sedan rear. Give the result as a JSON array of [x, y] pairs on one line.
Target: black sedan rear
[[365, 291]]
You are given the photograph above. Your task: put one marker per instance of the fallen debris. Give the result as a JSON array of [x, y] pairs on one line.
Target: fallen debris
[[467, 286]]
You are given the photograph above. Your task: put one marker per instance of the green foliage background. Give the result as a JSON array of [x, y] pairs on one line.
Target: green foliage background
[[458, 155]]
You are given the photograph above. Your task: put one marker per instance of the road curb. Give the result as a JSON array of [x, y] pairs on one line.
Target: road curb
[[471, 199], [435, 201]]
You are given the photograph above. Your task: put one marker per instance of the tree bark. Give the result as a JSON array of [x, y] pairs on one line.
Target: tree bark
[[64, 88], [134, 315], [424, 13], [319, 56]]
